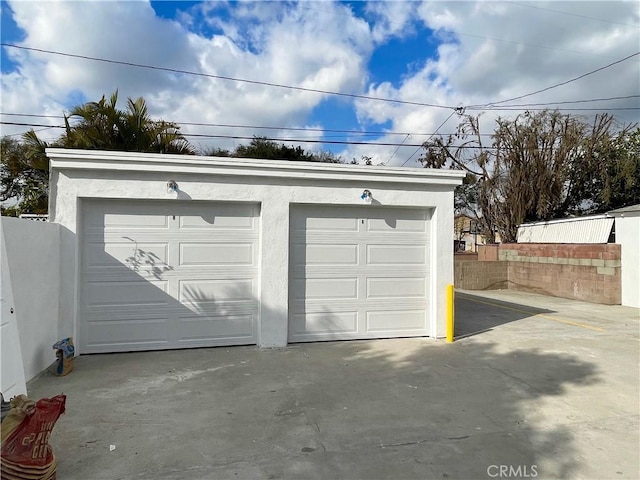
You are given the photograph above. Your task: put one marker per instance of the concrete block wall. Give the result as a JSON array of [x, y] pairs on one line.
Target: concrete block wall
[[589, 272], [471, 274]]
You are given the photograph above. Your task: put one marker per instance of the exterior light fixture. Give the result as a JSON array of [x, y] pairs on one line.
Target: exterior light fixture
[[366, 196], [172, 186]]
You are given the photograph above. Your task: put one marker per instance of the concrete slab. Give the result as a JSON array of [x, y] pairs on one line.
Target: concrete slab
[[533, 387]]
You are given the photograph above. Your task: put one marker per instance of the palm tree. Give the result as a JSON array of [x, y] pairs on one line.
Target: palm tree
[[103, 126]]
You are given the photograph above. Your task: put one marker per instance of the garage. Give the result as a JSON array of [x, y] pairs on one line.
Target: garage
[[358, 272], [167, 251], [164, 275]]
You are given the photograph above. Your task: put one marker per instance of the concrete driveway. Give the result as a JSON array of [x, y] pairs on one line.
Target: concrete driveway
[[534, 387]]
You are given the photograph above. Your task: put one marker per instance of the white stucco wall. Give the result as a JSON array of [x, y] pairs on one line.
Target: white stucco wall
[[628, 236], [33, 263], [78, 175]]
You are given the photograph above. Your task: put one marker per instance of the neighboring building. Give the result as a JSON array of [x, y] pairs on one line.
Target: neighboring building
[[589, 229], [168, 251], [467, 236]]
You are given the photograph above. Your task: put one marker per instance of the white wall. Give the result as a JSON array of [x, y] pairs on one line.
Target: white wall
[[78, 175], [12, 381], [628, 236], [33, 263]]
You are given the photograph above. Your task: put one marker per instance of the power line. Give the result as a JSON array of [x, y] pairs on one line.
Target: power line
[[476, 36], [420, 146], [518, 109], [256, 127], [272, 139], [221, 77], [558, 84], [521, 4], [35, 131], [626, 97], [398, 148], [302, 140], [543, 47], [31, 124], [511, 107]]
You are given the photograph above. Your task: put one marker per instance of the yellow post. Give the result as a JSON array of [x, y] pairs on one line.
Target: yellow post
[[450, 313]]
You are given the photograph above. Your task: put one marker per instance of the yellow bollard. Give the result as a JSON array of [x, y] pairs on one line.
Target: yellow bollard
[[450, 313]]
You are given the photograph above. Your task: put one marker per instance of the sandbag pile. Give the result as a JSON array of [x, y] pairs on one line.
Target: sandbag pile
[[25, 452]]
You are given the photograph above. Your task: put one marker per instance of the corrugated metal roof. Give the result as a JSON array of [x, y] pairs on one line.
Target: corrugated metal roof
[[568, 230], [629, 209]]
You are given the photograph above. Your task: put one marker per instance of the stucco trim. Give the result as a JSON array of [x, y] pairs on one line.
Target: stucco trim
[[144, 162]]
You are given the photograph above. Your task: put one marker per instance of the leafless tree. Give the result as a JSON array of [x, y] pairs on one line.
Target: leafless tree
[[536, 167]]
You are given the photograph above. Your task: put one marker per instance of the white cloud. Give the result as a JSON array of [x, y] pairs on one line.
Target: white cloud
[[487, 51], [329, 54], [497, 50]]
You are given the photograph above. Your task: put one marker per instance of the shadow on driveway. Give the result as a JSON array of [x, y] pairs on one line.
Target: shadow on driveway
[[476, 314], [403, 408]]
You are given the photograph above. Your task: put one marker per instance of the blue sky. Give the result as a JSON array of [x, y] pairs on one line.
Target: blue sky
[[440, 54]]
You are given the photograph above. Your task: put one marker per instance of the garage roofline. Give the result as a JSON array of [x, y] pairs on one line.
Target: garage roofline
[[62, 159]]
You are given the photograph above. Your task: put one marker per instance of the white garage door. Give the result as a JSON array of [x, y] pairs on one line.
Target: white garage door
[[161, 275], [358, 272]]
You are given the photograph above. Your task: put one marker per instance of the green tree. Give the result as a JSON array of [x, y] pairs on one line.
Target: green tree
[[102, 126], [262, 148], [24, 166], [618, 181], [24, 175]]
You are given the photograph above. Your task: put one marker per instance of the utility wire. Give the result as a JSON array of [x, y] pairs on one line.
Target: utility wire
[[396, 150], [297, 140], [369, 132], [566, 102], [521, 4], [558, 84], [221, 77], [420, 146], [257, 127], [545, 47], [241, 137], [507, 108]]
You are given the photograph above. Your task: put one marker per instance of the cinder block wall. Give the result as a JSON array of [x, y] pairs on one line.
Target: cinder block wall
[[589, 272], [471, 274]]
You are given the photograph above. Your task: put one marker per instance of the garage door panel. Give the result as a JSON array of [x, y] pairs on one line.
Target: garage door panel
[[323, 323], [323, 224], [362, 278], [148, 333], [218, 221], [386, 287], [326, 288], [126, 253], [104, 294], [396, 254], [151, 269], [326, 254], [199, 328], [395, 224], [196, 291], [122, 220], [216, 254], [399, 320]]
